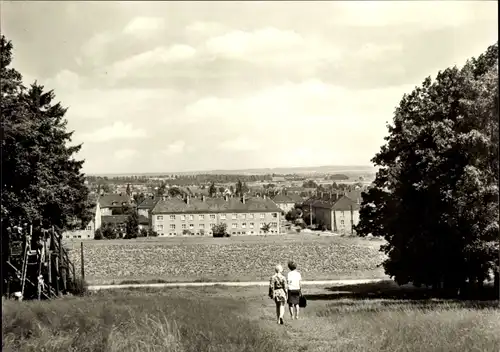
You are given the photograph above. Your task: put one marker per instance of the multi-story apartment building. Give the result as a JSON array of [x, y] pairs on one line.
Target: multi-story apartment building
[[174, 216]]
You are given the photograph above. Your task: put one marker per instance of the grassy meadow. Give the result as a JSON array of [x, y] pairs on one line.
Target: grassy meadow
[[241, 258], [362, 318]]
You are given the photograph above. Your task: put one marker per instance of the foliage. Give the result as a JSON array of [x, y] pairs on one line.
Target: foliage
[[132, 225], [337, 177], [435, 196], [220, 230], [241, 188], [98, 234], [110, 232], [212, 190], [143, 233], [152, 233], [292, 215], [266, 227], [186, 232], [310, 184], [139, 198], [42, 183]]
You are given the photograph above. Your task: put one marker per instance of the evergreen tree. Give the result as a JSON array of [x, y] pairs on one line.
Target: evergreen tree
[[42, 182], [212, 190]]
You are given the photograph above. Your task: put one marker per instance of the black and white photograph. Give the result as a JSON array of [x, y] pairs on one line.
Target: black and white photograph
[[240, 176]]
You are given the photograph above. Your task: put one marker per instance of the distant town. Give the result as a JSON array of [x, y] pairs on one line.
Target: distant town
[[322, 198]]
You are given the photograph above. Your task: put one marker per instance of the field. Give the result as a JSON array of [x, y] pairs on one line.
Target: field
[[220, 319], [248, 258]]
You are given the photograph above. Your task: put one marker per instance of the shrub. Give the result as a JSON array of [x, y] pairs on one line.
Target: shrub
[[98, 234], [143, 233], [220, 230], [186, 232], [152, 233], [202, 232], [78, 287]]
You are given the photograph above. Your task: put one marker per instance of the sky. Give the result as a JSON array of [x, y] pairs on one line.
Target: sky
[[188, 86]]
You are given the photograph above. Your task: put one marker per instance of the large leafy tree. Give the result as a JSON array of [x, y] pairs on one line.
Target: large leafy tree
[[42, 182], [435, 196]]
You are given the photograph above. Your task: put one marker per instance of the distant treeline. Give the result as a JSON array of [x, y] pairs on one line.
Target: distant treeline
[[181, 179]]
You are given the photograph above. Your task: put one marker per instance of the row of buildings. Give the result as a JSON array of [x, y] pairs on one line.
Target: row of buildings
[[172, 216]]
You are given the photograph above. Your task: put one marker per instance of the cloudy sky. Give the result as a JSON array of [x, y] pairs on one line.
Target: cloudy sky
[[178, 86]]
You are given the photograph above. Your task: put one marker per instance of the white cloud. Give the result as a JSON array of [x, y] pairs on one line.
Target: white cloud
[[270, 45], [118, 130], [201, 28], [124, 154], [65, 80], [175, 148], [96, 48], [144, 27], [425, 14], [242, 143], [159, 55]]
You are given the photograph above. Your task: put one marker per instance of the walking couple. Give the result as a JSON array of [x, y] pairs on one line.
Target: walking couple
[[287, 290]]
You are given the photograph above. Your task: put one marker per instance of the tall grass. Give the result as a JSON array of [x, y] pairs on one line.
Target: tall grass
[[242, 319], [133, 321], [382, 325]]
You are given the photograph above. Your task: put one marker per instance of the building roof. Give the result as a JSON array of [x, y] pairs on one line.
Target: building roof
[[215, 205], [114, 219], [354, 195], [295, 198], [287, 198], [143, 220], [113, 200], [148, 203], [342, 204], [281, 198]]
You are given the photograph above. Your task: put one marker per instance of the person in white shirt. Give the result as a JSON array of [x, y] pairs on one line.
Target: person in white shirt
[[294, 289]]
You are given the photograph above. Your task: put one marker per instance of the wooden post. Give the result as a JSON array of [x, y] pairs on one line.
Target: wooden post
[[352, 221], [58, 273], [49, 270], [310, 215], [335, 220], [82, 262], [59, 262]]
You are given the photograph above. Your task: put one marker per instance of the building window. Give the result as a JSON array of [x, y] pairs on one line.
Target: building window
[[223, 216], [275, 215], [184, 226], [212, 225], [172, 217], [159, 217], [341, 222], [242, 216], [201, 217], [212, 216], [191, 226], [234, 217], [183, 217], [202, 226], [89, 228], [234, 225], [244, 225], [251, 225], [159, 227], [274, 224], [172, 226], [250, 216], [262, 215], [191, 217]]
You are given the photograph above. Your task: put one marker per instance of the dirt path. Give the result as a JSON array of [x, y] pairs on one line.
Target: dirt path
[[234, 284]]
